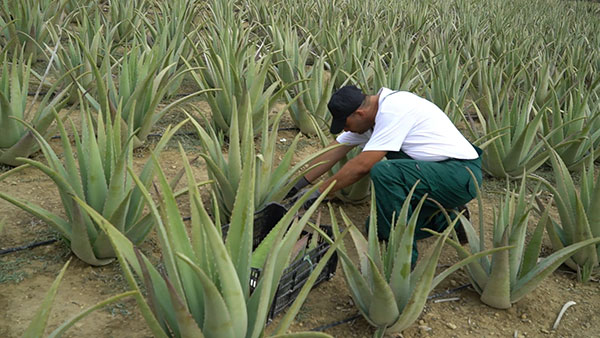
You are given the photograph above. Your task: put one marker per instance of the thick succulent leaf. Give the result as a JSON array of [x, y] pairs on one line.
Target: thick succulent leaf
[[231, 287], [295, 307], [424, 273], [125, 253], [545, 267], [69, 323], [218, 321], [38, 323], [55, 221], [497, 290], [401, 280], [383, 310], [532, 251]]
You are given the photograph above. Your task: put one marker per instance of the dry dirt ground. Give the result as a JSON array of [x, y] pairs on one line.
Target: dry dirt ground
[[25, 277]]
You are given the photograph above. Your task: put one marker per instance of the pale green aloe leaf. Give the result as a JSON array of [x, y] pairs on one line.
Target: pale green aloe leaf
[[497, 290], [57, 222], [231, 287], [383, 310], [260, 301], [69, 323], [38, 324], [295, 307], [125, 253], [476, 272], [401, 278], [218, 321], [423, 279], [545, 267], [532, 251]]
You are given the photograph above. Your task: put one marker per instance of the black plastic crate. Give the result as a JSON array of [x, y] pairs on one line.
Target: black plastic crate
[[297, 273]]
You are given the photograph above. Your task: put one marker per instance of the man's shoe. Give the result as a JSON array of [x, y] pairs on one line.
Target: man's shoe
[[460, 230]]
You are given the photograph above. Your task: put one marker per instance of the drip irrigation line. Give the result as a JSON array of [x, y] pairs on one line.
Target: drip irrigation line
[[448, 292], [343, 321], [27, 246], [349, 319]]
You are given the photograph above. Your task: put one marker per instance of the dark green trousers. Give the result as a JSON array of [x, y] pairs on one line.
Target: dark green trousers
[[448, 182]]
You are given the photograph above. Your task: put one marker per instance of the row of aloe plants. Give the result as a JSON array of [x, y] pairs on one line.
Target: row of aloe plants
[[465, 64]]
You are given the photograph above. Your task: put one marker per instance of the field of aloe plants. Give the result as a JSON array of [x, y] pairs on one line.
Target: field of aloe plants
[[138, 139]]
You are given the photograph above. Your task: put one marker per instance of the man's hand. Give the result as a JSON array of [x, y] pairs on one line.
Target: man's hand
[[303, 182], [311, 199]]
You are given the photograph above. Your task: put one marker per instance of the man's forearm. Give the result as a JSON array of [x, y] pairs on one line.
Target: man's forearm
[[329, 158], [353, 170]]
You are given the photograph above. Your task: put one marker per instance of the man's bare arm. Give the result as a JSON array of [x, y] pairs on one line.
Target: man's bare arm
[[331, 157], [354, 170]]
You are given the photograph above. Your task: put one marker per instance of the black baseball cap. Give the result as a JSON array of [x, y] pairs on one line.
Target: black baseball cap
[[342, 104]]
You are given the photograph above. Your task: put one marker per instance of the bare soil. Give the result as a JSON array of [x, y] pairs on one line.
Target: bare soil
[[25, 277]]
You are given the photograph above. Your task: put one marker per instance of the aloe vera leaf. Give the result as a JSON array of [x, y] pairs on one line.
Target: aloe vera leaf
[[125, 254], [178, 239], [233, 292], [261, 299], [532, 251], [374, 249], [593, 207], [360, 243], [546, 267], [583, 232], [239, 237], [219, 321], [519, 149], [476, 272], [497, 290], [296, 305], [69, 323], [402, 280], [259, 255], [57, 222], [421, 288], [383, 310], [96, 181], [38, 324]]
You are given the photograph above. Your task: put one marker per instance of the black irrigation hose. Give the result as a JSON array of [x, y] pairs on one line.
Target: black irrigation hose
[[27, 246], [349, 319], [343, 321]]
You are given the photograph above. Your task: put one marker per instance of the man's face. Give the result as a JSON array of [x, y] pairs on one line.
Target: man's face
[[358, 122]]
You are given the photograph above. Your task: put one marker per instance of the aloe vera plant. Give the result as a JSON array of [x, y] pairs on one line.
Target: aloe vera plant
[[579, 214], [385, 290], [508, 276], [205, 291], [26, 23], [142, 82], [274, 178], [234, 74], [510, 139], [38, 324], [311, 86], [15, 140], [99, 177]]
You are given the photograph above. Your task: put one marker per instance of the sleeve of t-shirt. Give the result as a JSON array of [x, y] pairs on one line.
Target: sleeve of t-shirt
[[353, 139], [390, 131]]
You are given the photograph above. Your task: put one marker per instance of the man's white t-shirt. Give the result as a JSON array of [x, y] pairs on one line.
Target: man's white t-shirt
[[407, 122]]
